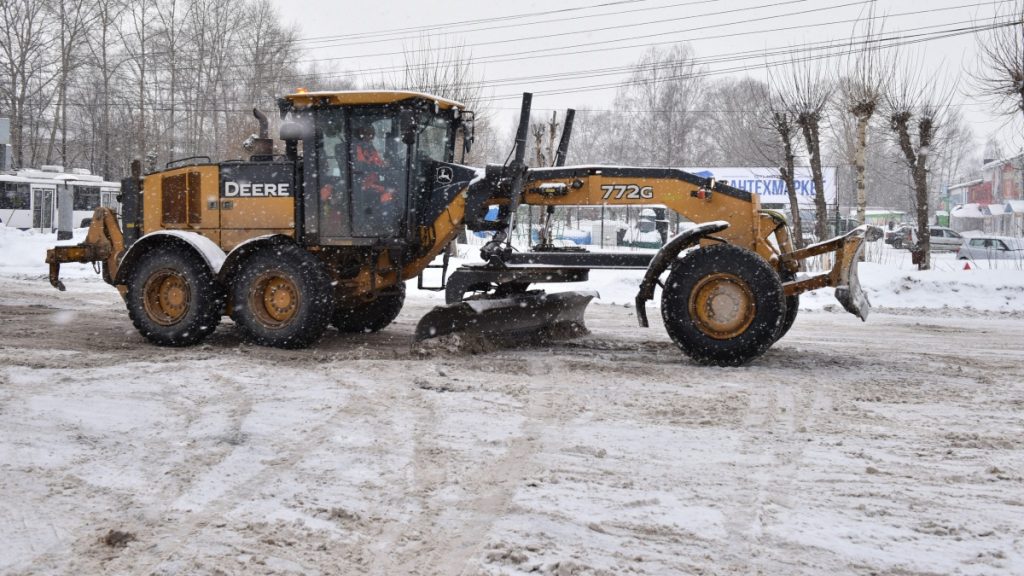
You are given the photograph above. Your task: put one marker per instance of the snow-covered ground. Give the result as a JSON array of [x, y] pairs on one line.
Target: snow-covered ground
[[894, 446]]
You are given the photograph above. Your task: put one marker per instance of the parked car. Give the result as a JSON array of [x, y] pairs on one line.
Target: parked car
[[890, 235], [900, 235], [991, 248], [941, 238]]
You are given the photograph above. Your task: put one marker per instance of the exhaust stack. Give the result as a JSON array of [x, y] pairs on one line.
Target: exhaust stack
[[262, 148]]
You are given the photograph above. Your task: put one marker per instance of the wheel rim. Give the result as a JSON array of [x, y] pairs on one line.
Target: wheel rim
[[274, 299], [166, 297], [722, 306]]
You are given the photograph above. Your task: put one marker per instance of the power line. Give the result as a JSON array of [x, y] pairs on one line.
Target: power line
[[603, 44], [887, 43], [548, 53], [505, 18], [589, 73], [594, 87], [507, 26], [713, 59], [616, 27], [594, 30]]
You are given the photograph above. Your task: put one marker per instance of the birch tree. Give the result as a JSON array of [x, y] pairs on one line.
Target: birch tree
[[867, 70]]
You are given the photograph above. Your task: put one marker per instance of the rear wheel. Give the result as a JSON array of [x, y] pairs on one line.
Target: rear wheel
[[173, 298], [282, 297], [370, 316], [723, 305]]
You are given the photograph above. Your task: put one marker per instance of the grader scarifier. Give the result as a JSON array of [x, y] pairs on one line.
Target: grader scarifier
[[367, 194]]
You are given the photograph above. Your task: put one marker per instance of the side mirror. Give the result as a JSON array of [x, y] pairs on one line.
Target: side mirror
[[296, 130], [407, 125]]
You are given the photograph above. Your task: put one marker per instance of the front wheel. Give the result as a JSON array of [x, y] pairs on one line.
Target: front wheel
[[723, 305], [173, 298], [282, 297]]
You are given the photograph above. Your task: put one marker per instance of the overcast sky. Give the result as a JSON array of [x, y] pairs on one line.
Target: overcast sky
[[535, 45]]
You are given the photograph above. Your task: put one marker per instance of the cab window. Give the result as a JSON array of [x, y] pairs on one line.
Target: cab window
[[377, 161], [332, 173]]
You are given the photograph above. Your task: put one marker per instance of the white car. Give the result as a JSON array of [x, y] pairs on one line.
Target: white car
[[991, 248], [940, 238], [943, 238]]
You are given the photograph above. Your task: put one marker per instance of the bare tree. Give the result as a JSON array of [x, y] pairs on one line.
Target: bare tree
[[545, 134], [442, 67], [171, 16], [867, 71], [805, 89], [917, 110], [106, 60], [26, 59], [993, 149], [136, 39], [1000, 71], [737, 115], [72, 21], [658, 107], [956, 156], [445, 68], [597, 139], [779, 118]]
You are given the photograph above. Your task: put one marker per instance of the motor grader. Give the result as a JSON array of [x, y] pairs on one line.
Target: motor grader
[[328, 233]]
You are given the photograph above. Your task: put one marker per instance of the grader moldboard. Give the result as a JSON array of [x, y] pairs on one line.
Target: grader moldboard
[[286, 244]]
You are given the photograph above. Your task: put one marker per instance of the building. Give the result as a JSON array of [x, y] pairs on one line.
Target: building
[[992, 203]]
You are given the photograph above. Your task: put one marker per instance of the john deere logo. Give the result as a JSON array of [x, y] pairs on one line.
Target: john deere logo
[[444, 175]]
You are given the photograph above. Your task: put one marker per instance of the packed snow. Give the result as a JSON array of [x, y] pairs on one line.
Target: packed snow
[[892, 446]]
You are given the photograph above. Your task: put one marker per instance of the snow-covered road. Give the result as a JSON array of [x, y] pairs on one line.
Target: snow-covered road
[[894, 446]]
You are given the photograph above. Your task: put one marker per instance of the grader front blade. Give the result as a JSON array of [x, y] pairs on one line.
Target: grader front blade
[[847, 250], [520, 316]]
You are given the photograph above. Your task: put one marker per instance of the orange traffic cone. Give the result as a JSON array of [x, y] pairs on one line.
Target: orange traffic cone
[[967, 265]]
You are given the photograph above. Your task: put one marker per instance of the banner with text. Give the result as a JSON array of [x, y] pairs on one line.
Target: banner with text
[[767, 183]]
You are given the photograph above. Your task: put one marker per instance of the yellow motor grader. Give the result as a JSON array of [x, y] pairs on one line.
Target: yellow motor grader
[[367, 195]]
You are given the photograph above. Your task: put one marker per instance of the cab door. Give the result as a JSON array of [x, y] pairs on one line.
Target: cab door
[[379, 177]]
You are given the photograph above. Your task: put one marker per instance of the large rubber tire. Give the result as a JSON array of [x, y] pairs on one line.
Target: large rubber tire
[[723, 305], [371, 316], [282, 297], [173, 297]]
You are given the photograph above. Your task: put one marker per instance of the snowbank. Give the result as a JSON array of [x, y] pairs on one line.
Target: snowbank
[[888, 277]]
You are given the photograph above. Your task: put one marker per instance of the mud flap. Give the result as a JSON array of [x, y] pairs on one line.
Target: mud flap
[[518, 316]]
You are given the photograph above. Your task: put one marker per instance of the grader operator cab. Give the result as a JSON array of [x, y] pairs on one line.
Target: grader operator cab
[[367, 195]]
